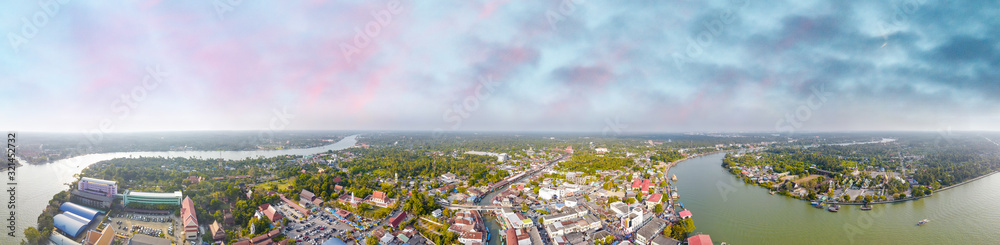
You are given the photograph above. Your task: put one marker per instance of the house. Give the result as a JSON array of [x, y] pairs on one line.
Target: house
[[700, 239], [437, 213], [654, 199], [684, 214], [271, 213], [449, 177], [218, 234], [306, 197], [642, 185], [472, 237], [518, 237]]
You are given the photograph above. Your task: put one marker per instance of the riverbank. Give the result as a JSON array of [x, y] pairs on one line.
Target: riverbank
[[895, 200], [740, 213], [40, 182]]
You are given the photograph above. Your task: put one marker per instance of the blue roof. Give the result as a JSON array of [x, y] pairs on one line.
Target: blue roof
[[334, 241], [70, 223], [77, 209]]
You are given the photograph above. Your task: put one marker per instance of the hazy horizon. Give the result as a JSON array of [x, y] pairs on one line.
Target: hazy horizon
[[499, 66]]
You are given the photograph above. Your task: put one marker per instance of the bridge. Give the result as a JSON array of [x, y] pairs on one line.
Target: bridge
[[470, 207]]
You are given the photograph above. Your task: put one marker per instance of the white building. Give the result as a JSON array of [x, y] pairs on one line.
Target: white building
[[547, 193], [632, 221]]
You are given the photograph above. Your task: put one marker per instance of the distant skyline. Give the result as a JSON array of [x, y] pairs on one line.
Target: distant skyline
[[583, 66]]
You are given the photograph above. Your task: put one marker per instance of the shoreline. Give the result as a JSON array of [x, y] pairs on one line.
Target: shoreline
[[892, 201]]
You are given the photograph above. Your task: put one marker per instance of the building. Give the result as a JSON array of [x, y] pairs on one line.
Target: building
[[99, 187], [649, 231], [143, 239], [104, 237], [581, 224], [189, 219], [95, 192], [218, 234], [654, 199], [700, 239], [306, 197], [380, 199], [449, 177], [74, 219], [568, 215], [518, 237], [619, 208], [547, 193], [642, 185], [271, 213], [472, 237], [631, 221], [662, 240], [152, 198], [684, 214], [296, 206], [395, 221]]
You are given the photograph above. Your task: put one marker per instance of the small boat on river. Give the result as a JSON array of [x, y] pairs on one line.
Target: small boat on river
[[833, 208], [866, 207], [922, 222]]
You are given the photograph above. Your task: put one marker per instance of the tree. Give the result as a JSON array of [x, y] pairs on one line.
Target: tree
[[658, 208], [371, 240], [630, 201], [845, 197], [32, 235], [677, 232], [667, 231]]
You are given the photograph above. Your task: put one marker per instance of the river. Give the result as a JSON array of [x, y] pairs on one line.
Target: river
[[730, 211], [36, 184]]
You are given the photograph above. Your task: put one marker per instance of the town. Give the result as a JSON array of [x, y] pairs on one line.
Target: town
[[550, 195]]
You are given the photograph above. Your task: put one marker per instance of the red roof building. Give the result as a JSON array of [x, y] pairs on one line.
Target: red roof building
[[189, 219], [700, 239], [395, 221], [642, 185], [380, 199], [684, 214], [294, 205], [270, 212]]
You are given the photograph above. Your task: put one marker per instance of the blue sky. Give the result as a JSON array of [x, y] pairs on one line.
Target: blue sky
[[634, 66]]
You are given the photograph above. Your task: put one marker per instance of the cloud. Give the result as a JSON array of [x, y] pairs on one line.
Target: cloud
[[563, 65]]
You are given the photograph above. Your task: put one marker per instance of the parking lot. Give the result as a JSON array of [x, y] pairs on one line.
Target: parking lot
[[317, 228], [128, 224]]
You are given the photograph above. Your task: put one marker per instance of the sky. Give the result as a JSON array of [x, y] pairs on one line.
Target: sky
[[594, 66]]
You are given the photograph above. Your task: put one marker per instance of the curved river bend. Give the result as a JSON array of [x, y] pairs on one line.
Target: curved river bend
[[38, 183], [737, 213]]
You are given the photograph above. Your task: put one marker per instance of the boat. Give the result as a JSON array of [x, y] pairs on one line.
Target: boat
[[922, 222], [866, 207], [833, 208], [819, 205], [814, 203], [772, 192], [675, 177]]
